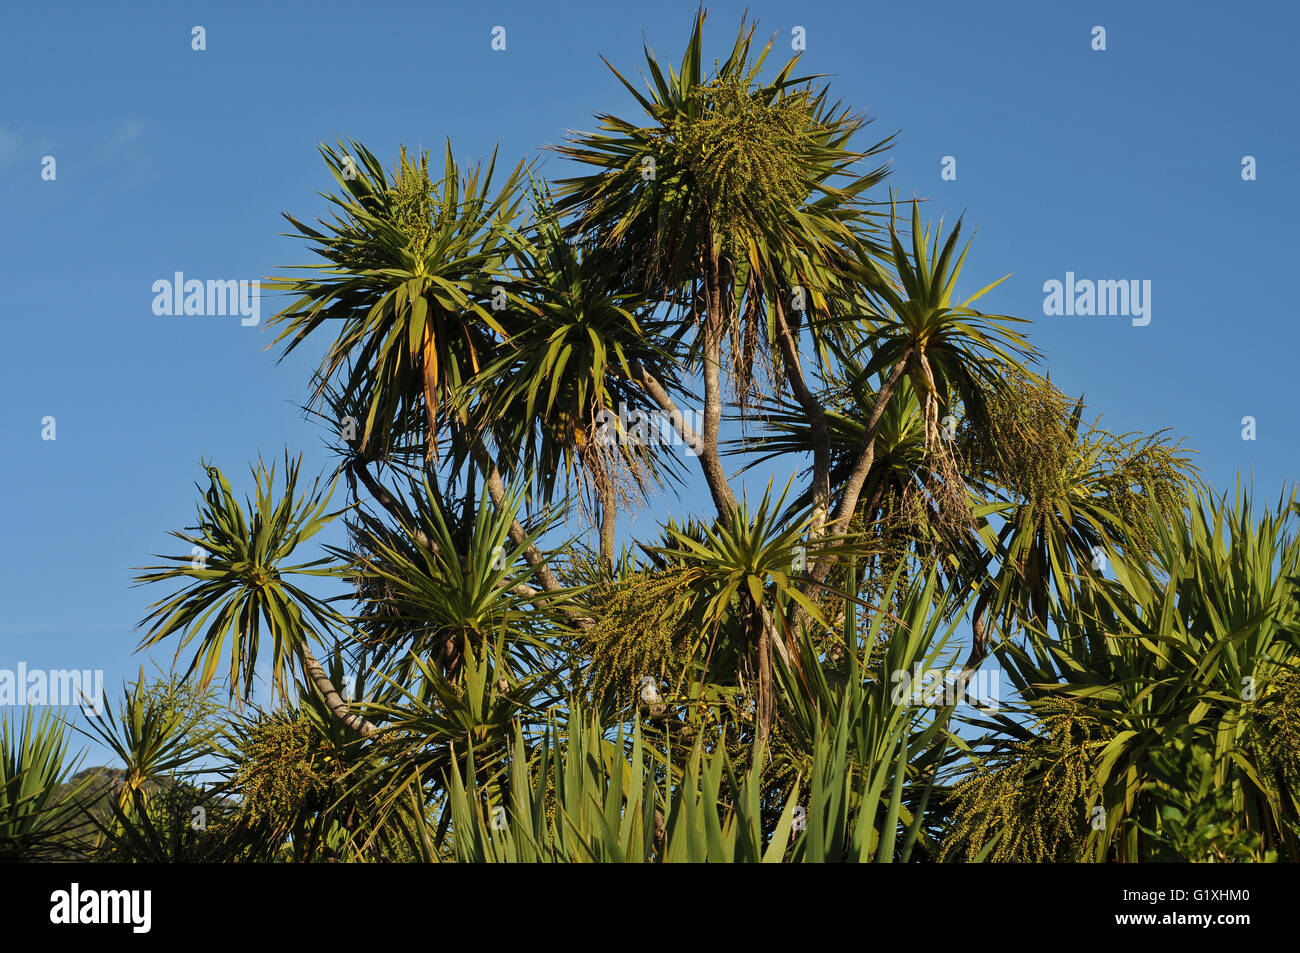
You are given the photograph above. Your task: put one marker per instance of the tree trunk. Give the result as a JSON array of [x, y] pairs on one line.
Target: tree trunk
[[714, 475], [788, 654], [858, 478], [317, 675], [497, 491], [979, 638], [390, 503], [816, 416], [659, 394], [608, 521], [533, 555], [713, 331]]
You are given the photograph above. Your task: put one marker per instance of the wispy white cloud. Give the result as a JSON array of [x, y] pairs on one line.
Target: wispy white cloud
[[124, 132], [123, 149], [119, 146], [19, 145]]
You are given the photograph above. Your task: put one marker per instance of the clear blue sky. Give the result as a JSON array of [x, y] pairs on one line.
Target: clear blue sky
[[1117, 164]]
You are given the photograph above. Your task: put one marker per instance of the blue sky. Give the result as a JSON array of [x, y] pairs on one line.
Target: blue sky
[[1122, 164]]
